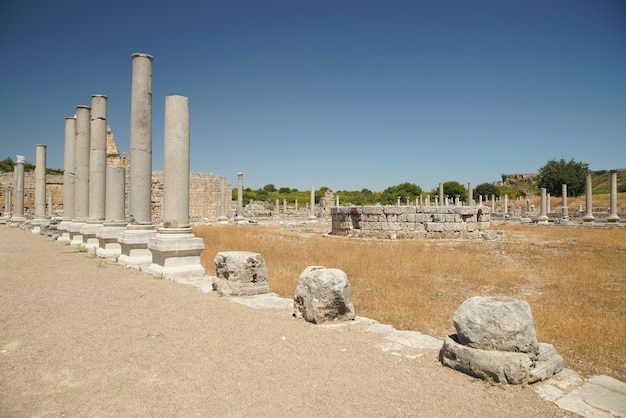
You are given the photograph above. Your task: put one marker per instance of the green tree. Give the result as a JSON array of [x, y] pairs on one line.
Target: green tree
[[556, 173], [487, 189], [6, 165], [390, 194], [269, 188], [452, 189]]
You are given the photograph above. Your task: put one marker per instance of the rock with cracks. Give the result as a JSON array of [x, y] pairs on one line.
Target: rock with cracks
[[240, 273], [496, 341], [323, 295]]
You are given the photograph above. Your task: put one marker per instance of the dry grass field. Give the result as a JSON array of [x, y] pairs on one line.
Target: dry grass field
[[574, 279]]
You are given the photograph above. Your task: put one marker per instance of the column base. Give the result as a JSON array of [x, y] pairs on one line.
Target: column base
[[588, 219], [89, 231], [134, 246], [76, 236], [542, 220], [64, 233], [108, 245], [176, 252], [39, 225]]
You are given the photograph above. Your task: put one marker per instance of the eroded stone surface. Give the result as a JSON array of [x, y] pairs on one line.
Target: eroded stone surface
[[240, 273], [323, 295]]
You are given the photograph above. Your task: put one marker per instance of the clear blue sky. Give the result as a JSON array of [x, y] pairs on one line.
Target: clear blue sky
[[348, 94]]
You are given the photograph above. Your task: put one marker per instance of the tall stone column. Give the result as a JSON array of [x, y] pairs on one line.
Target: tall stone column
[[239, 195], [69, 166], [175, 249], [506, 204], [40, 189], [588, 218], [81, 178], [441, 194], [470, 194], [97, 170], [50, 212], [613, 217], [134, 241], [543, 217], [114, 220], [564, 212], [312, 215], [222, 218], [7, 203], [18, 206]]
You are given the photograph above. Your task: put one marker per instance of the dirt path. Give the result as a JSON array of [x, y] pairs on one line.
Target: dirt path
[[83, 337]]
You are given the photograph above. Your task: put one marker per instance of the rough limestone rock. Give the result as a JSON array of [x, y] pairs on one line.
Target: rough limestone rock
[[496, 340], [240, 273], [496, 323], [502, 366], [323, 295]]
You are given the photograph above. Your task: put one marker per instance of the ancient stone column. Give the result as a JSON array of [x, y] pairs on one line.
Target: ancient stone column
[[18, 205], [222, 207], [69, 167], [613, 217], [470, 194], [134, 240], [543, 217], [548, 209], [337, 200], [50, 212], [312, 200], [564, 213], [114, 220], [277, 207], [81, 174], [97, 170], [506, 203], [285, 205], [239, 195], [296, 206], [441, 194], [588, 218], [7, 202], [175, 249], [40, 219], [493, 203]]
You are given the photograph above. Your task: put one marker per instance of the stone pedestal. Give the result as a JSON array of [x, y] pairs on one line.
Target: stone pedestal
[[90, 231], [134, 250], [108, 235], [75, 230], [114, 225], [176, 252]]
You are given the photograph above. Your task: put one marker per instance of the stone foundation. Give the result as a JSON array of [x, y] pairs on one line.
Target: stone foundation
[[410, 221]]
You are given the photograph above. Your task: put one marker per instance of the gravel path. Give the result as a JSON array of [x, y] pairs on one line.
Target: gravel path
[[80, 336]]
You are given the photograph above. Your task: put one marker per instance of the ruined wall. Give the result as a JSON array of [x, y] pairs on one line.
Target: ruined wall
[[410, 221]]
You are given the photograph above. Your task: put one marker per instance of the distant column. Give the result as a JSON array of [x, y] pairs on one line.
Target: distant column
[[565, 214], [134, 240], [337, 200], [277, 206], [588, 218], [285, 205], [81, 174], [7, 202], [312, 215], [18, 206], [613, 217], [470, 194], [175, 249], [493, 203], [50, 212], [506, 204], [239, 194], [40, 189], [543, 217], [114, 218], [548, 208], [68, 178], [441, 194]]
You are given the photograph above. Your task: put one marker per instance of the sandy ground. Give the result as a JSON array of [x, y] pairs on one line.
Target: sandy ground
[[80, 336]]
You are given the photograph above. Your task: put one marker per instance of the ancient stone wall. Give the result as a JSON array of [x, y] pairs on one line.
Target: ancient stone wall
[[54, 184], [410, 221]]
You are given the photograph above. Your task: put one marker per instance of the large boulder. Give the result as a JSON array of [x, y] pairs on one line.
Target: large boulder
[[323, 295], [240, 273], [496, 323]]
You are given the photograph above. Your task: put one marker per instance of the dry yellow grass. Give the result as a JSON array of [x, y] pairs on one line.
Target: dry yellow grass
[[573, 278]]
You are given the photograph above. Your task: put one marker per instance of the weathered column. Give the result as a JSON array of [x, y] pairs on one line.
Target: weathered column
[[222, 207], [337, 200], [175, 249], [285, 205], [470, 194], [40, 219], [50, 212], [588, 218], [97, 170], [239, 195], [134, 240], [613, 217], [506, 204], [7, 203], [312, 215], [548, 209], [18, 206], [441, 194], [493, 203], [81, 174], [543, 217], [114, 220], [69, 167], [277, 206], [296, 206], [564, 212]]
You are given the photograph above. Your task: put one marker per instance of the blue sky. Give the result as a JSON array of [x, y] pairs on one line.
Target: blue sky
[[347, 94]]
